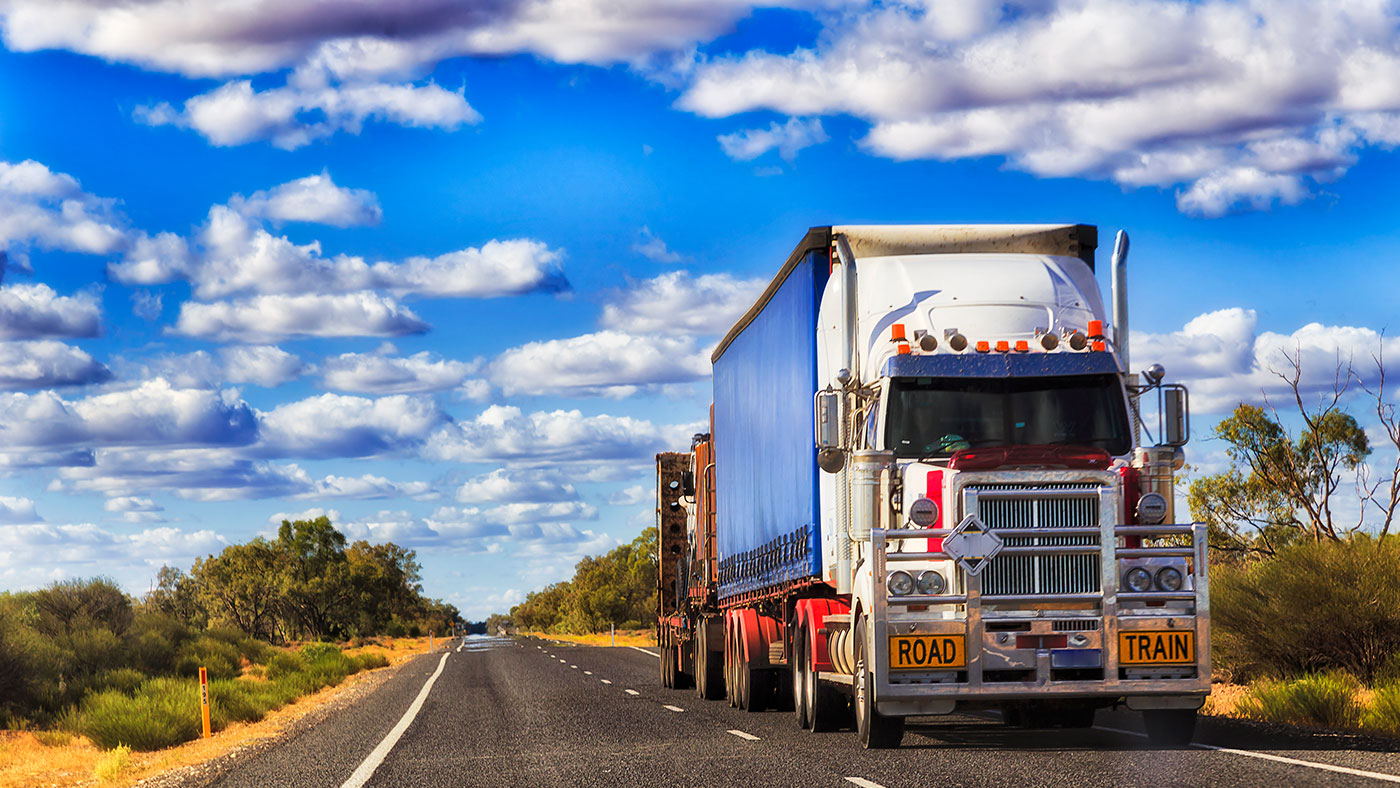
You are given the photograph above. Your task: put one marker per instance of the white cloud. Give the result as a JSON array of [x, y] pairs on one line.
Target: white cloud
[[1245, 104], [787, 138], [265, 365], [269, 318], [152, 414], [314, 198], [333, 425], [146, 304], [134, 509], [34, 555], [34, 311], [367, 487], [519, 513], [50, 210], [309, 514], [17, 510], [232, 255], [654, 249], [47, 364], [310, 108], [607, 363], [677, 303], [503, 433], [502, 486], [1225, 359], [379, 373], [630, 496]]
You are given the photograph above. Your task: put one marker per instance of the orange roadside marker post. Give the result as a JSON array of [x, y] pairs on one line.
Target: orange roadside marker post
[[204, 699]]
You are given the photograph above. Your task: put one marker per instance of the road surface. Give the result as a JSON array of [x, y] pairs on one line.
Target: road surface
[[500, 712]]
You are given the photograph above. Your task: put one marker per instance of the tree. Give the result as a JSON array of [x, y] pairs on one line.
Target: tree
[[241, 587], [316, 584], [385, 584], [1282, 489], [176, 596]]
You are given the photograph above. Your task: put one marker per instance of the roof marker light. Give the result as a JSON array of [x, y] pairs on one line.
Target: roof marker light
[[1096, 329], [1022, 346], [1003, 346], [984, 346], [900, 339]]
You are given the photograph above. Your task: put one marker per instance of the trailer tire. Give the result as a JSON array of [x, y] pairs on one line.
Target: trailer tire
[[1170, 727], [876, 731], [827, 709], [709, 672], [800, 666]]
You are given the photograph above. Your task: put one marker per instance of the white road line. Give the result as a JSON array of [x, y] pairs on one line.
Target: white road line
[[743, 735], [588, 673], [366, 769], [562, 661], [575, 667], [632, 692], [1327, 767], [863, 783], [644, 651], [605, 681], [672, 708]]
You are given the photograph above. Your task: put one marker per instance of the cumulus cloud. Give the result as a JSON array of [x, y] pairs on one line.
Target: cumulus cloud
[[17, 510], [314, 198], [152, 414], [787, 138], [309, 109], [366, 487], [34, 555], [334, 425], [1242, 104], [653, 248], [518, 513], [33, 311], [134, 509], [1226, 360], [520, 486], [269, 318], [677, 303], [504, 433], [607, 363], [232, 255], [380, 373], [263, 365], [47, 364], [50, 210]]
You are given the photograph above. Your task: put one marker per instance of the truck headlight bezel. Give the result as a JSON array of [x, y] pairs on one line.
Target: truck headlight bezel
[[901, 577], [1143, 577], [931, 583], [1168, 571]]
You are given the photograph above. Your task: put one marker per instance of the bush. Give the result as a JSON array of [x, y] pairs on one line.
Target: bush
[[53, 738], [112, 764], [371, 660], [1326, 700], [1313, 607], [1383, 715], [126, 680], [219, 657], [163, 713], [284, 663], [242, 701]]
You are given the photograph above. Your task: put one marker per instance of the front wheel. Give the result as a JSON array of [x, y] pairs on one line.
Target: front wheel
[[876, 731], [1170, 727]]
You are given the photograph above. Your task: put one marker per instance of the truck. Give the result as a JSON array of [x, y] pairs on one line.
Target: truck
[[932, 483]]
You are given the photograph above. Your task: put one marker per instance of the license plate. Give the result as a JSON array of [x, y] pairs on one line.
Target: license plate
[[927, 652], [1157, 648]]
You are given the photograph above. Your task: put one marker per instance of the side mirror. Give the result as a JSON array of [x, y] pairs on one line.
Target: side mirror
[[1176, 416], [826, 407]]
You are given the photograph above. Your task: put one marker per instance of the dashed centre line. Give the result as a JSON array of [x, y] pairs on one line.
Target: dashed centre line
[[575, 667], [863, 783], [588, 673], [632, 692], [672, 708], [742, 735], [605, 681]]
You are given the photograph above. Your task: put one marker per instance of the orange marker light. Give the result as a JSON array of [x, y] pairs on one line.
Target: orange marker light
[[1098, 345], [1022, 346], [1095, 329], [1003, 346], [897, 332], [983, 347]]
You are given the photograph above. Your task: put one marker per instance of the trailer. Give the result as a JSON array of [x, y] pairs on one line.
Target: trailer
[[929, 486]]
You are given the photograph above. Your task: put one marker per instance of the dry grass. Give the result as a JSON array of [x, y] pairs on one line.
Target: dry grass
[[1223, 699], [26, 762], [625, 637]]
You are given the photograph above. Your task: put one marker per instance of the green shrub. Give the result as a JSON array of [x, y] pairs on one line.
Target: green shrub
[[219, 657], [126, 680], [1313, 607], [112, 764], [163, 713], [371, 660], [53, 738], [242, 701], [1327, 700], [284, 663], [1383, 715], [254, 650]]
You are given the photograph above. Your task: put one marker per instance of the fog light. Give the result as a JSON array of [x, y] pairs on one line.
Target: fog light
[[1152, 508], [900, 584], [1138, 579], [923, 512], [931, 583], [1169, 578]]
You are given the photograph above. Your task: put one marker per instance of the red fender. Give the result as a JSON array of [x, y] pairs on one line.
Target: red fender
[[811, 614]]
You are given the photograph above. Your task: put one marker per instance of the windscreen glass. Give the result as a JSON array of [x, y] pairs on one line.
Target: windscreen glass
[[934, 417]]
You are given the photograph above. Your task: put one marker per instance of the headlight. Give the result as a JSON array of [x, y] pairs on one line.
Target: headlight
[[1138, 579], [1169, 578], [923, 512], [931, 583], [900, 584], [1152, 509]]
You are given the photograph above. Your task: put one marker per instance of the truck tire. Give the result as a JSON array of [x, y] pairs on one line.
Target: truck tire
[[709, 672], [1170, 727], [679, 678], [801, 659], [876, 731]]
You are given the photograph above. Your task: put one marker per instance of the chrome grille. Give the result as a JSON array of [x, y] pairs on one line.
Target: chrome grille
[[1048, 574]]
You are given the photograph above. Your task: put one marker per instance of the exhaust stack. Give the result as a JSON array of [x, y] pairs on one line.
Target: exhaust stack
[[1120, 299]]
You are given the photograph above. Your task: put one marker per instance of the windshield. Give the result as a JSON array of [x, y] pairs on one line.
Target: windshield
[[938, 416]]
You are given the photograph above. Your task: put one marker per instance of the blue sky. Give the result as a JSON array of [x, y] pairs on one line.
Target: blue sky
[[451, 271]]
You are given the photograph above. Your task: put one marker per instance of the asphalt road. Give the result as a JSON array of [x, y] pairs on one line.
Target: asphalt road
[[533, 713]]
